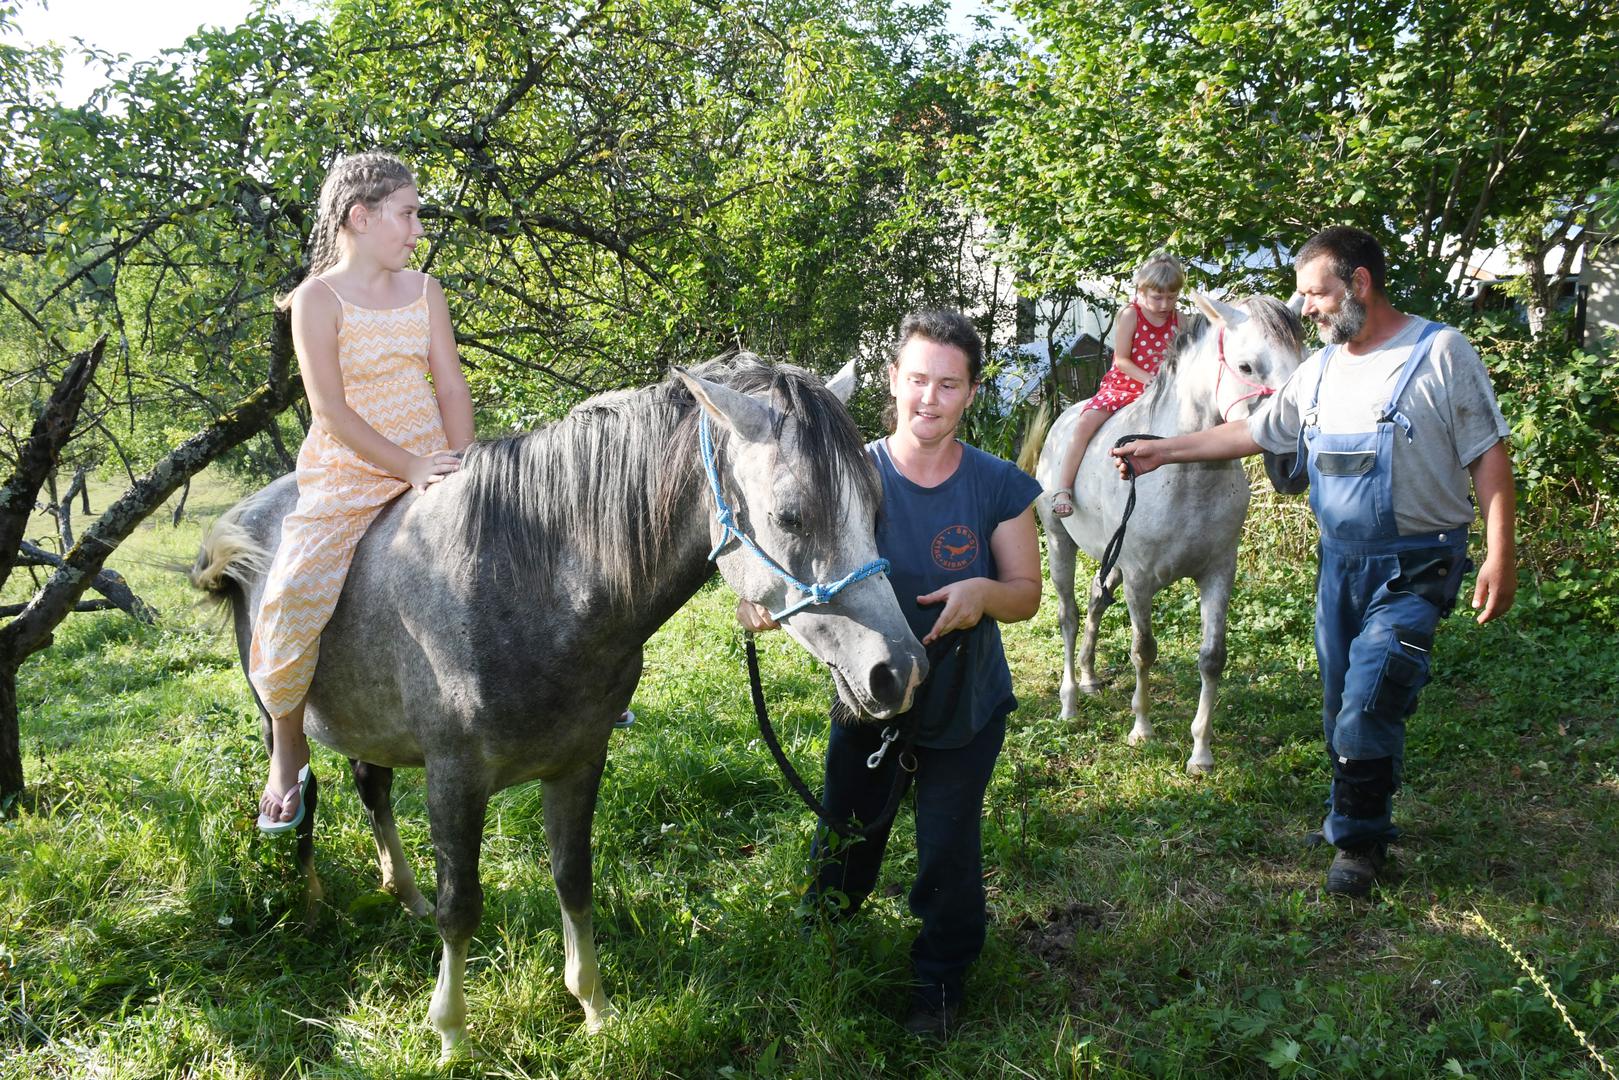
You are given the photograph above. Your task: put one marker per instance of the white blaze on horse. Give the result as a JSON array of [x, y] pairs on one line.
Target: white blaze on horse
[[491, 629], [1187, 519]]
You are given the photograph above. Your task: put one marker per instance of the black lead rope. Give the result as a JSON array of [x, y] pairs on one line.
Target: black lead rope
[[907, 743], [1110, 554]]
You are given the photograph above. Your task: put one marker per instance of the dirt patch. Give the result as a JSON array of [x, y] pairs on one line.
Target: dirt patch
[[1051, 937]]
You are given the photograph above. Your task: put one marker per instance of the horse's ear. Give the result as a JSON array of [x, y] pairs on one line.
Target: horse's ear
[[749, 418], [1296, 304], [844, 382], [1219, 311]]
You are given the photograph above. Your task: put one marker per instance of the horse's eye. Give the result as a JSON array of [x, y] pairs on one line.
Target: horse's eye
[[789, 520], [1246, 369]]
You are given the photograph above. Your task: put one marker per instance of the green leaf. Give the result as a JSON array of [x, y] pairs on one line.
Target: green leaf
[[1282, 1054]]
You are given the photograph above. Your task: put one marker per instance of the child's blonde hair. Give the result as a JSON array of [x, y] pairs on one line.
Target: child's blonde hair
[[355, 178], [1161, 271]]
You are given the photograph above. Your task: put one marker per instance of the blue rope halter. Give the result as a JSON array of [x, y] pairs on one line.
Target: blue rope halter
[[814, 593]]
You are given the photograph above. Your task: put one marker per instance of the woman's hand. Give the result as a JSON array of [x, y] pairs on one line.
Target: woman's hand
[[755, 617], [963, 606], [425, 470]]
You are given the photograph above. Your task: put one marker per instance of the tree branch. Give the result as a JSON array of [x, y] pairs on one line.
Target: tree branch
[[109, 583], [40, 453]]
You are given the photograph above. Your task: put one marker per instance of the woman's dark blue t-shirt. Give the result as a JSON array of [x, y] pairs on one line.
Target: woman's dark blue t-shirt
[[933, 536]]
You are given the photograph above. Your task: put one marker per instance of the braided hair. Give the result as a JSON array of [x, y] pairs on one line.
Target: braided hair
[[367, 178], [1161, 271]]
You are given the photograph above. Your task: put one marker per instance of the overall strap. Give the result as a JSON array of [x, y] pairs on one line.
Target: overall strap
[[1301, 453], [1419, 353], [1320, 377]]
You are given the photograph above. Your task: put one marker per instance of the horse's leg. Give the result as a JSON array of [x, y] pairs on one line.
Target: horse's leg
[[375, 785], [314, 891], [456, 802], [1061, 551], [1097, 603], [1143, 652], [1213, 597], [570, 804]]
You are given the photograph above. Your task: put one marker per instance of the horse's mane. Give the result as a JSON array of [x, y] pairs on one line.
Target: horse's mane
[[604, 485], [1277, 323]]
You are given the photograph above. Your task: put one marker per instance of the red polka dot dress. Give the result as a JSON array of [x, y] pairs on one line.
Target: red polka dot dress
[[1147, 347]]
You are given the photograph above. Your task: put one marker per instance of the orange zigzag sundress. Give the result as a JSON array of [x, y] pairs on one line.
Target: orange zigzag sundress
[[383, 358]]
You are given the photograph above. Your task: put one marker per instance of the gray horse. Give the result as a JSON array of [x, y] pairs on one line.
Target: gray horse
[[1188, 519], [491, 629]]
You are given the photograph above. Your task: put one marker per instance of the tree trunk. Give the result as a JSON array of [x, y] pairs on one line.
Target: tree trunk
[[37, 458], [10, 747], [64, 508]]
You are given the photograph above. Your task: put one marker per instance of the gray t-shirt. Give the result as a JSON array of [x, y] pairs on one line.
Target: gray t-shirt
[[1450, 403]]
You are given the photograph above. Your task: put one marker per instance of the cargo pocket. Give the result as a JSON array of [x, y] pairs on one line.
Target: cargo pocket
[[1404, 673], [1432, 574]]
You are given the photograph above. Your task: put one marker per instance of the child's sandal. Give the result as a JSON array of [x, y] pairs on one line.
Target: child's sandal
[[1062, 502]]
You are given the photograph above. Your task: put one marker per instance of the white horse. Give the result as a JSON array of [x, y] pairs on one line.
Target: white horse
[[1187, 519]]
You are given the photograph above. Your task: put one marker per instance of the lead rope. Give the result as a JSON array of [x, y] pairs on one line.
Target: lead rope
[[1110, 554], [890, 735]]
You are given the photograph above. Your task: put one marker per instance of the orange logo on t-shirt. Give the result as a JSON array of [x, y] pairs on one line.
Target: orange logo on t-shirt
[[955, 547]]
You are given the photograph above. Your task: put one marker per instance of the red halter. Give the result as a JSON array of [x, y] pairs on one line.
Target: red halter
[[1260, 390]]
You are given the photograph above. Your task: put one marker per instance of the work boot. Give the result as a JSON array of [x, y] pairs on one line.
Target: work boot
[[931, 1016], [1354, 870]]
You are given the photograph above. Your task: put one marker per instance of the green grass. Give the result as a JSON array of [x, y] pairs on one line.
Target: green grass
[[1143, 923]]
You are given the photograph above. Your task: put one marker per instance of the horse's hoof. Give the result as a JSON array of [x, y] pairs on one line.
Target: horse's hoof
[[1199, 768], [455, 1046], [594, 1024], [419, 906], [1091, 689], [1136, 738]]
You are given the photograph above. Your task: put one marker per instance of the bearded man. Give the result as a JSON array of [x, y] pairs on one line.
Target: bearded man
[[1397, 423]]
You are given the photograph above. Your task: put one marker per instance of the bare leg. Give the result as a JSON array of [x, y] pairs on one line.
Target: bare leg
[[375, 785], [1143, 652], [1214, 597], [289, 752], [456, 804], [1090, 421], [570, 804], [1097, 604]]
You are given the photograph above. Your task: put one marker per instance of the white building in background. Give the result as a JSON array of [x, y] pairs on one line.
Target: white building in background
[[1600, 279]]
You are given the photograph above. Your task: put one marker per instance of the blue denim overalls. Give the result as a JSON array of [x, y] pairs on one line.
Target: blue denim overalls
[[1379, 597]]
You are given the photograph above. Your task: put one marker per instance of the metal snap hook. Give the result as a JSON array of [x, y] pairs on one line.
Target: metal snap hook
[[876, 759]]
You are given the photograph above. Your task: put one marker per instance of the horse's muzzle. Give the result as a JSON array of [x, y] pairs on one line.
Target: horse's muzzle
[[893, 688]]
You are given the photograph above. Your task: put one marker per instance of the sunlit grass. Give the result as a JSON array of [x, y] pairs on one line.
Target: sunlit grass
[[1143, 922]]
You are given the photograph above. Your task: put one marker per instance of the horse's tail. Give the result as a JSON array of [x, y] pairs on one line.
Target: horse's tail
[[229, 558], [1034, 437]]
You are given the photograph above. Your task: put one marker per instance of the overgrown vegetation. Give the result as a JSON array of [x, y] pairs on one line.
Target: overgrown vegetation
[[1563, 404], [1144, 923]]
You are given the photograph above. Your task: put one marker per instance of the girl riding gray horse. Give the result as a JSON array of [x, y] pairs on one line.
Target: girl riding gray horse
[[491, 629]]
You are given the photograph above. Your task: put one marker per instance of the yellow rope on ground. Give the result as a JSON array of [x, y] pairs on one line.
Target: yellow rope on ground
[[1545, 988]]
